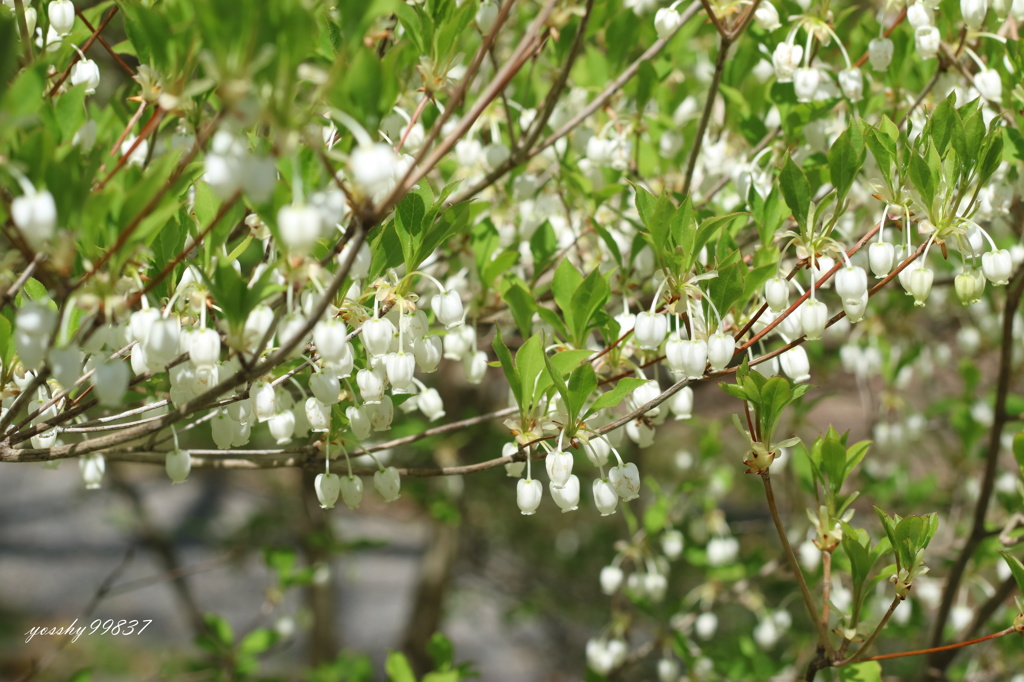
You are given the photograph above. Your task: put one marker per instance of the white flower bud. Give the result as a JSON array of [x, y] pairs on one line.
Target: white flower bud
[[625, 479], [851, 283], [430, 404], [359, 421], [767, 17], [722, 551], [605, 497], [776, 292], [223, 429], [881, 256], [35, 216], [326, 386], [705, 625], [997, 266], [650, 329], [666, 22], [795, 364], [85, 72], [93, 468], [388, 483], [786, 58], [204, 347], [327, 488], [178, 464], [721, 348], [567, 496], [62, 16], [880, 53]]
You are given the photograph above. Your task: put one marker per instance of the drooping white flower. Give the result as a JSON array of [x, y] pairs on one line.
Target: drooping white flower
[[178, 464], [300, 228], [880, 53], [974, 12], [795, 364], [806, 81], [35, 216], [611, 579], [767, 17], [851, 82], [666, 22], [881, 256], [997, 266], [377, 335], [85, 72], [786, 58], [721, 348], [650, 329], [927, 40], [567, 496], [93, 467], [327, 487], [625, 479], [352, 491], [528, 495], [989, 85], [605, 497], [62, 16], [486, 16]]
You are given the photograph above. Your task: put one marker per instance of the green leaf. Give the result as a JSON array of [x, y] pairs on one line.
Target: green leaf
[[796, 190], [564, 286], [590, 296], [861, 672], [531, 365], [508, 367], [257, 641], [522, 305], [843, 162], [441, 651], [83, 675], [398, 669], [1016, 568], [582, 384], [1018, 443], [613, 397], [409, 225]]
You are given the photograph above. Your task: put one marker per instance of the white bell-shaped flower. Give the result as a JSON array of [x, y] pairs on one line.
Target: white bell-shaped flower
[[352, 491], [528, 495], [205, 378], [223, 429], [35, 216], [327, 487], [282, 427], [318, 415], [372, 169], [856, 308], [681, 404], [973, 12], [605, 497], [447, 307], [427, 351], [851, 282], [178, 464], [813, 318], [880, 53], [430, 404], [705, 625], [62, 16], [110, 380], [371, 385], [611, 579], [264, 401], [66, 364], [928, 40], [161, 344], [257, 324], [989, 85], [93, 467], [668, 670], [381, 414], [672, 543], [290, 333], [204, 347], [643, 394], [459, 342], [806, 81], [786, 58], [767, 17], [881, 257], [694, 358], [559, 467], [243, 431], [851, 82], [330, 338], [476, 367], [997, 266], [625, 478], [486, 16], [776, 293], [666, 22], [85, 72], [388, 483], [400, 367], [377, 335], [795, 364], [918, 15], [721, 348], [359, 422], [44, 440], [650, 329], [326, 386], [299, 227], [919, 284], [567, 497]]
